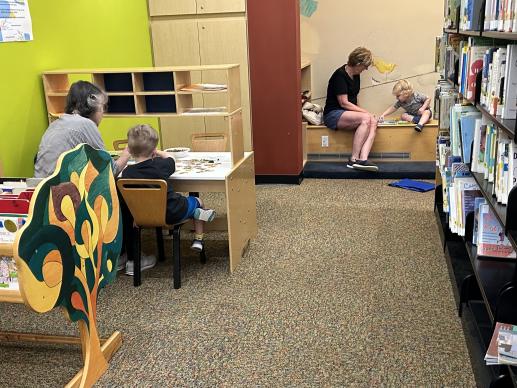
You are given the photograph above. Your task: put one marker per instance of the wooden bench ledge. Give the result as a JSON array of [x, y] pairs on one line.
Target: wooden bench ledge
[[432, 123], [391, 139]]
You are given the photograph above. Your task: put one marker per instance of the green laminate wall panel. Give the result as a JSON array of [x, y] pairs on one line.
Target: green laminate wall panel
[[67, 34]]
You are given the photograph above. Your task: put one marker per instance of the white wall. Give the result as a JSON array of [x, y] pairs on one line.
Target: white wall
[[398, 31]]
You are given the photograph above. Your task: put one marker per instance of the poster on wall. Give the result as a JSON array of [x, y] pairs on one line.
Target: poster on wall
[[15, 21]]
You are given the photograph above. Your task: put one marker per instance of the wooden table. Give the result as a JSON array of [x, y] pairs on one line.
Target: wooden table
[[214, 172]]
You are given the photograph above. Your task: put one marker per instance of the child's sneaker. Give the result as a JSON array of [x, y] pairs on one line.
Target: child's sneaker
[[146, 262], [350, 163], [122, 260], [419, 127], [197, 245], [206, 215]]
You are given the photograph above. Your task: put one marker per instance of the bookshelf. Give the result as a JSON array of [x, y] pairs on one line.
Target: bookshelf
[[485, 286], [162, 92]]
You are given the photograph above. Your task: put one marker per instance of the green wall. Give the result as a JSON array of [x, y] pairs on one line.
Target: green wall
[[67, 34]]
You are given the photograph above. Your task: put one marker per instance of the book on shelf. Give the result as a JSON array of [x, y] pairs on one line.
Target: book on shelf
[[462, 193], [477, 203], [451, 13], [509, 110], [8, 273], [13, 187], [500, 15], [476, 54], [492, 242], [203, 87], [470, 12], [503, 345], [459, 111], [204, 111], [467, 127], [13, 215]]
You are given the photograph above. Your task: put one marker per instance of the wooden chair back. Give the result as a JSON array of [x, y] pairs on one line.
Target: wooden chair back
[[119, 145], [209, 142], [146, 199]]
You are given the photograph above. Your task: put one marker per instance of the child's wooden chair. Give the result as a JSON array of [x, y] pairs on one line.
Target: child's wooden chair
[[119, 145], [209, 142], [147, 202]]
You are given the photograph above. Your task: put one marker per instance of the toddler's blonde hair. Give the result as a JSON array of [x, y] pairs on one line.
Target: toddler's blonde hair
[[402, 87], [142, 140]]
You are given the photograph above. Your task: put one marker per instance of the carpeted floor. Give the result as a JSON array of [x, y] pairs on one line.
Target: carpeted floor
[[345, 285]]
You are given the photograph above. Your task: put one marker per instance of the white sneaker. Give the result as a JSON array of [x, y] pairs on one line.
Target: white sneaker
[[122, 260], [146, 262], [197, 245], [206, 215]]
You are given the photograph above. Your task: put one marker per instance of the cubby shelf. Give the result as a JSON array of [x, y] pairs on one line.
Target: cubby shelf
[[154, 91]]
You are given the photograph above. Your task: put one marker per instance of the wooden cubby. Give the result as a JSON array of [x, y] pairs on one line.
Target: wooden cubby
[[157, 92], [485, 288], [154, 91]]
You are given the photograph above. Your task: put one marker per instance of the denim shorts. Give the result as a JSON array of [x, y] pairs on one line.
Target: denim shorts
[[331, 118], [193, 204]]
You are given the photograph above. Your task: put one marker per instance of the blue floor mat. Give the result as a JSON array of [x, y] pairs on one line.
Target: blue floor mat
[[412, 185]]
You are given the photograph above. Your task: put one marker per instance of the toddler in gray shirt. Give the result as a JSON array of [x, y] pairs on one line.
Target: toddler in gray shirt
[[416, 105]]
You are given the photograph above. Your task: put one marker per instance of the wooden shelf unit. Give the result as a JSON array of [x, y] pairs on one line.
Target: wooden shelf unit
[[153, 91], [157, 92], [490, 282]]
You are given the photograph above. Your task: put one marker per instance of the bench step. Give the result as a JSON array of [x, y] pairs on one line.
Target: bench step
[[391, 139]]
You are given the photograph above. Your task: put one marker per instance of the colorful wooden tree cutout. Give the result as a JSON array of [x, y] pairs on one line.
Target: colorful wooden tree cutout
[[69, 248]]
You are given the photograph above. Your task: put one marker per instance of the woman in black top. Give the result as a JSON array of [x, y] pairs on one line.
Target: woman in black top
[[342, 112]]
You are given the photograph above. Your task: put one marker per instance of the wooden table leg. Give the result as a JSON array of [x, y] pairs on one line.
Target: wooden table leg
[[241, 208]]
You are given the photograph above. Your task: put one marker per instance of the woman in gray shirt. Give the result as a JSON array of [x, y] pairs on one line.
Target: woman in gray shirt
[[85, 107]]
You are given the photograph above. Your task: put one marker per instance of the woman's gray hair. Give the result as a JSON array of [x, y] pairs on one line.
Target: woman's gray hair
[[85, 99]]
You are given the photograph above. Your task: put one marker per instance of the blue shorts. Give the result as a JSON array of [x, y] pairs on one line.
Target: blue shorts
[[193, 204], [331, 118]]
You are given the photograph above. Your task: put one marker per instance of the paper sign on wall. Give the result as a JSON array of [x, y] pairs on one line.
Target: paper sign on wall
[[15, 21]]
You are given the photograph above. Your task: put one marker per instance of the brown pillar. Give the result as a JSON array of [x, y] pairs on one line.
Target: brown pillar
[[274, 60]]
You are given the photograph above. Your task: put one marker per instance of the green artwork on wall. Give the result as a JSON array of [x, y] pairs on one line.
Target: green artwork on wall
[[308, 7]]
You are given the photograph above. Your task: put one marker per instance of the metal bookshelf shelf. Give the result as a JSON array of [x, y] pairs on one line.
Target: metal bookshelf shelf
[[491, 276], [494, 278], [507, 125], [499, 35]]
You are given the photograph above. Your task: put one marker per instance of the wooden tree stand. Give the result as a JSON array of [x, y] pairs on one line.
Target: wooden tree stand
[[67, 251]]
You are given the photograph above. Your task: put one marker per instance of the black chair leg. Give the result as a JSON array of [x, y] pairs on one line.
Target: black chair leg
[[137, 263], [202, 256], [159, 242], [176, 269]]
